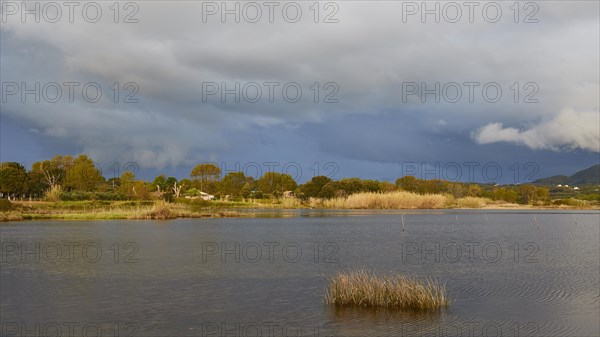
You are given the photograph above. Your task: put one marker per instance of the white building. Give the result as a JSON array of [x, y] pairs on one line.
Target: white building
[[206, 196]]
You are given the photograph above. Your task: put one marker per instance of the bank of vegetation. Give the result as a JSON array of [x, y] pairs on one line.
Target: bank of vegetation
[[73, 187]]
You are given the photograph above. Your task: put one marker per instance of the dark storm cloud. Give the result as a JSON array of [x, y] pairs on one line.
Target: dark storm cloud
[[171, 54]]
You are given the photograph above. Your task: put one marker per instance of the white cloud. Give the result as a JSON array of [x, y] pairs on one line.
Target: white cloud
[[568, 130]]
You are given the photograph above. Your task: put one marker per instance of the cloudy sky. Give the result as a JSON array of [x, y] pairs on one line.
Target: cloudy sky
[[371, 89]]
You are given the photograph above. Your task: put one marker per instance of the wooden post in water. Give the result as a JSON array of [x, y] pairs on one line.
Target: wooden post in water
[[402, 217]]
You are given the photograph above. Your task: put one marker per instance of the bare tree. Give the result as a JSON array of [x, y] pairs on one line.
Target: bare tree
[[177, 189], [51, 178], [159, 194]]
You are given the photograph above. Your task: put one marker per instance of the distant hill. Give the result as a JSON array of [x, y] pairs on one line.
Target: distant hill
[[589, 176]]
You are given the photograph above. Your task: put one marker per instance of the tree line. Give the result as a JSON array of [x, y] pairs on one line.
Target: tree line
[[77, 178]]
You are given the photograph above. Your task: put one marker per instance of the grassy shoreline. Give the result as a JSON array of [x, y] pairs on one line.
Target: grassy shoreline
[[90, 210], [161, 210]]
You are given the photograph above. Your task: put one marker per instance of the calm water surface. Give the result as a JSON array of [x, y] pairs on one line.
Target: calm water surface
[[509, 274]]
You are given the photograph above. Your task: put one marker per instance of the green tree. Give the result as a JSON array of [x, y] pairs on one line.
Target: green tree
[[53, 170], [13, 178], [126, 184], [276, 183], [250, 186], [164, 186], [408, 183], [160, 181], [233, 183], [83, 175], [526, 193], [351, 185], [159, 187], [205, 175], [186, 185], [386, 186], [542, 194], [333, 189], [457, 190], [474, 190], [113, 183], [314, 187], [433, 186], [371, 186], [35, 184], [168, 188]]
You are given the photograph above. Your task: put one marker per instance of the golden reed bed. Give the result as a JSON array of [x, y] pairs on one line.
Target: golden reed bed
[[399, 200], [365, 289]]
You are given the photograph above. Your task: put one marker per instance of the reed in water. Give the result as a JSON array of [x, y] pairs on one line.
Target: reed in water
[[365, 289]]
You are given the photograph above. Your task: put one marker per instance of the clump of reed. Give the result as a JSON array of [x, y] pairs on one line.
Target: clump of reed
[[10, 216], [391, 200], [472, 202], [291, 203], [160, 211], [365, 289], [53, 194], [398, 200]]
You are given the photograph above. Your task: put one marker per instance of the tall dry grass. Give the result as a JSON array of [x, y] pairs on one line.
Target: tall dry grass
[[365, 289], [391, 200], [53, 194], [398, 200], [291, 203], [160, 211], [472, 202]]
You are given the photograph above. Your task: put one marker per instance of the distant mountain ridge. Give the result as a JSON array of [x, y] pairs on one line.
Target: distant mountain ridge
[[589, 176]]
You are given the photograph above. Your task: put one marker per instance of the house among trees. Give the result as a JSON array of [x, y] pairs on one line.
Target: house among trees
[[206, 196], [203, 195]]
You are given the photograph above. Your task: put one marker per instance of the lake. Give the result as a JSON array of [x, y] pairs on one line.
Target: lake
[[509, 273]]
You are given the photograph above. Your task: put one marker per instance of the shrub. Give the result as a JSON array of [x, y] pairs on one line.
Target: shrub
[[5, 205], [81, 195], [571, 202]]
